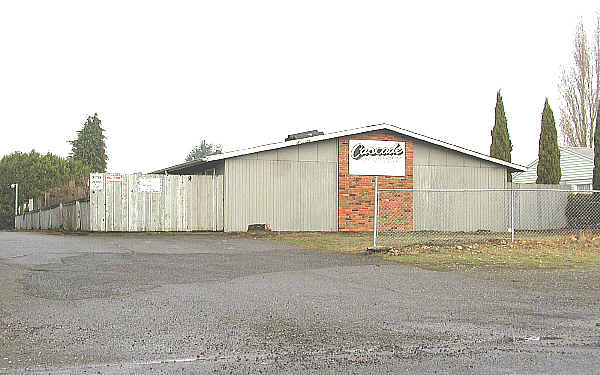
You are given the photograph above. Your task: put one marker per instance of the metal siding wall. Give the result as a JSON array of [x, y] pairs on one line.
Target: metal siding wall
[[485, 210], [438, 169], [539, 210], [288, 195]]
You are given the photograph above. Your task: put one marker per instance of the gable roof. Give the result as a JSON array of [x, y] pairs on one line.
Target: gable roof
[[576, 165], [586, 152], [342, 133]]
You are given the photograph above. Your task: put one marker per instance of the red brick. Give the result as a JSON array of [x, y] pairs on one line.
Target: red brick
[[356, 204]]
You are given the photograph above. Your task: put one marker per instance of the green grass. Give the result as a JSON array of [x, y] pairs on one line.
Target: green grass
[[327, 241], [552, 252]]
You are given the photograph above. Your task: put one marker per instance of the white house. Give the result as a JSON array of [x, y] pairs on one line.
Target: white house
[[576, 165]]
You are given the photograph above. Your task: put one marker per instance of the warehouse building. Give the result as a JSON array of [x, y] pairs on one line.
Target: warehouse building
[[325, 182]]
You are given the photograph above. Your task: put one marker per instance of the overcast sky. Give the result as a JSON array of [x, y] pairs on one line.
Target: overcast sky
[[164, 75]]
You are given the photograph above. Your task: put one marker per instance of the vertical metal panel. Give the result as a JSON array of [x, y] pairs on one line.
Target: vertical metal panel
[[123, 223], [36, 220], [102, 207], [540, 210], [180, 203], [188, 202], [288, 153], [108, 204], [166, 203], [85, 215], [308, 152], [288, 195], [93, 210], [184, 203], [134, 206], [220, 198], [55, 219], [327, 151], [467, 211], [69, 217], [45, 220]]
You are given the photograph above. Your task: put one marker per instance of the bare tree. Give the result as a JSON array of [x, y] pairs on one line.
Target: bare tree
[[579, 90]]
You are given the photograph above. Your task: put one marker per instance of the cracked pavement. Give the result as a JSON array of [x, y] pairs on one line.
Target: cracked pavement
[[220, 303]]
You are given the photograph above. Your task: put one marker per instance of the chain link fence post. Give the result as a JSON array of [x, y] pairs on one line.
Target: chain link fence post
[[512, 213], [376, 213]]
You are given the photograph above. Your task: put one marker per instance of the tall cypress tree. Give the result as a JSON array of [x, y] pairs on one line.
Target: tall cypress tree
[[89, 147], [548, 168], [596, 178], [501, 146]]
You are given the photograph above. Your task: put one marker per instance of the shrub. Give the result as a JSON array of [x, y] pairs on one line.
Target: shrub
[[583, 210]]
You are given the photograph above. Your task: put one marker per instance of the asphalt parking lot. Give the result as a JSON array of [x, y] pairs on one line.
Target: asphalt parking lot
[[216, 303]]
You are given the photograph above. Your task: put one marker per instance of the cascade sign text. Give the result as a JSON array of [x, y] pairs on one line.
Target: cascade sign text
[[377, 158]]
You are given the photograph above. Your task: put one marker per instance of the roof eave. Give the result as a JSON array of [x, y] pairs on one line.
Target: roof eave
[[181, 166], [272, 146]]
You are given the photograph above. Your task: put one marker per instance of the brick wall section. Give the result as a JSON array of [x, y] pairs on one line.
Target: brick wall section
[[356, 193]]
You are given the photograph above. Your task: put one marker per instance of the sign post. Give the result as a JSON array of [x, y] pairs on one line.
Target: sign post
[[16, 187], [375, 216]]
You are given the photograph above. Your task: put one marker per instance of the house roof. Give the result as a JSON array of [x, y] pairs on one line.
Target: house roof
[[586, 152], [576, 166], [337, 134]]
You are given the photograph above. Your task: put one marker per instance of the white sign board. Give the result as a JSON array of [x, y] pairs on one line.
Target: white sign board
[[148, 185], [377, 158], [96, 182]]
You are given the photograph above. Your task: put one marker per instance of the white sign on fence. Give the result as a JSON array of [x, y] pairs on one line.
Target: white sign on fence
[[377, 158], [148, 185], [96, 182]]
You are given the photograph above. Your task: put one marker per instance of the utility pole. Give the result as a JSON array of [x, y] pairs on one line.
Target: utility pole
[[16, 187]]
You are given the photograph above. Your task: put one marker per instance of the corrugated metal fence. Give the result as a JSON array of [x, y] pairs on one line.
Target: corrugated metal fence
[[135, 202], [521, 211], [69, 217], [477, 209]]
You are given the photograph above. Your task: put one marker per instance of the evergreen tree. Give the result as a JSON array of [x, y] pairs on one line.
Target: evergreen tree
[[501, 146], [596, 178], [89, 147], [202, 150], [35, 173], [548, 168]]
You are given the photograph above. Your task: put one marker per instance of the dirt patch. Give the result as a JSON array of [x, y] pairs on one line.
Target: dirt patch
[[551, 252], [564, 253]]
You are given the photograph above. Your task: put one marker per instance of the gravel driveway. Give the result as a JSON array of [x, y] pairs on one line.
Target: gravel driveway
[[218, 303]]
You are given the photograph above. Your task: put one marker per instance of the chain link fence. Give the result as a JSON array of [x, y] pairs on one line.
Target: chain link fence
[[441, 217]]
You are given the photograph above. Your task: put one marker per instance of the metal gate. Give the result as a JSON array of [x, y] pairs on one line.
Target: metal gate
[[140, 203]]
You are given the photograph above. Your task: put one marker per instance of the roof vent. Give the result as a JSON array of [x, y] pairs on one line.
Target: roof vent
[[307, 134]]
